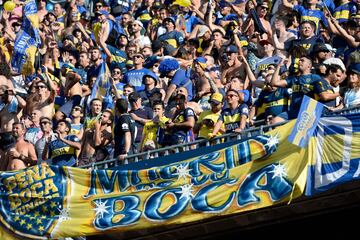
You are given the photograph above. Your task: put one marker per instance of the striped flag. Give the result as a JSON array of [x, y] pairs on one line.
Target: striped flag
[[307, 120], [27, 41]]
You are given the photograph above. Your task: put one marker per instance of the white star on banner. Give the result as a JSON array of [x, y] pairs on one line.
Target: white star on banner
[[186, 191], [279, 171], [272, 141], [100, 208], [183, 171], [64, 215]]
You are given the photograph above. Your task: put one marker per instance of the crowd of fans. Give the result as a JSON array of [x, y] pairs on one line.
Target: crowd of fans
[[116, 77]]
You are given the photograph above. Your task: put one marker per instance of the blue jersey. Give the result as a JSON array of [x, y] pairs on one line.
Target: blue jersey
[[181, 79], [134, 77], [232, 117], [301, 86], [323, 86], [311, 15], [118, 58], [61, 153], [343, 12], [272, 103]]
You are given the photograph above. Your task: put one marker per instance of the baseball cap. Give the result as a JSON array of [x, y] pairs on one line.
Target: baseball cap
[[335, 61], [264, 42], [202, 30], [103, 12], [216, 98], [320, 47], [133, 97], [355, 68], [139, 23], [232, 49]]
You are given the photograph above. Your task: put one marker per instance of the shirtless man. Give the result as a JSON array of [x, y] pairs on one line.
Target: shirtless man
[[23, 153], [73, 92], [9, 109], [98, 136], [233, 66], [43, 97]]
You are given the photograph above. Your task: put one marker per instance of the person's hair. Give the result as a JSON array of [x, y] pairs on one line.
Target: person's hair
[[332, 68], [42, 118], [158, 103], [93, 100], [313, 25], [111, 116], [129, 86], [121, 105], [356, 86], [180, 97], [284, 19], [291, 16], [19, 123], [68, 125]]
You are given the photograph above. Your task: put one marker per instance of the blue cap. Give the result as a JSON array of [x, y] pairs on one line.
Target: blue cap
[[150, 61], [355, 68], [232, 49], [152, 75], [200, 60]]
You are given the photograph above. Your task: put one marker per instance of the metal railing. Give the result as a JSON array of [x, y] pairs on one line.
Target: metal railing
[[247, 133]]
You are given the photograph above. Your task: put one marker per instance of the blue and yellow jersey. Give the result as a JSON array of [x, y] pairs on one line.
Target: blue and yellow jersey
[[118, 58], [150, 131], [232, 117], [272, 103], [76, 128], [311, 15], [208, 119], [301, 85], [343, 12], [323, 86], [61, 153]]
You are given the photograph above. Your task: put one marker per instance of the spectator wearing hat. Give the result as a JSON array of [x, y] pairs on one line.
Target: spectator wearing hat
[[320, 54], [204, 84], [232, 65], [215, 45], [178, 78], [150, 81], [234, 117], [172, 37], [156, 27], [140, 114], [136, 36], [351, 94], [203, 34], [267, 49], [207, 119]]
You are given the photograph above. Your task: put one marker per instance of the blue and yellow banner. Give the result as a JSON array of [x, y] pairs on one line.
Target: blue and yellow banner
[[306, 122], [27, 40], [52, 202]]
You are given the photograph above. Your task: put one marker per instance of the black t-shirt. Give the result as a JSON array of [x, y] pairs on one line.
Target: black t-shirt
[[123, 125]]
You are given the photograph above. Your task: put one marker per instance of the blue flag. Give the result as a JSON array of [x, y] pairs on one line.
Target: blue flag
[[27, 41], [307, 120], [102, 87]]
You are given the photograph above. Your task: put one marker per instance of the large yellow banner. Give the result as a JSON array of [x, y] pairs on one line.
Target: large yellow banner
[[51, 202]]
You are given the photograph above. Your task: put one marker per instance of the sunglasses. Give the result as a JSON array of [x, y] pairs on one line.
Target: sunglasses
[[77, 109], [45, 122], [265, 8], [116, 72], [138, 56], [98, 5], [231, 95]]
